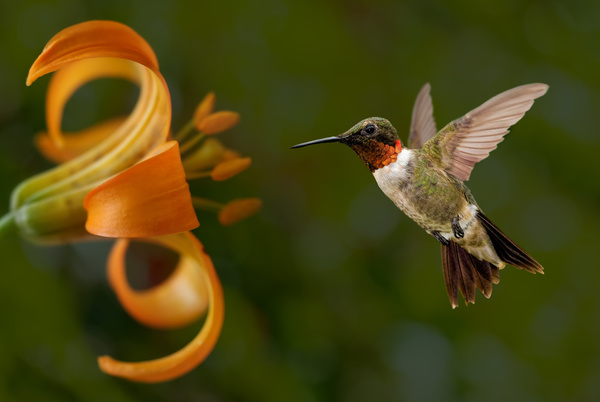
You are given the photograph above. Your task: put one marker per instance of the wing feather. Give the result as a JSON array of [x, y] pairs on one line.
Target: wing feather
[[422, 126], [471, 138]]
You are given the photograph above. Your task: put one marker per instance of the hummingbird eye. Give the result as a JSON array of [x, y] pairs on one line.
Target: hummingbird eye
[[370, 128]]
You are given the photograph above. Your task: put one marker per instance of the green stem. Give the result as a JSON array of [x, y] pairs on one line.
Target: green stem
[[7, 223]]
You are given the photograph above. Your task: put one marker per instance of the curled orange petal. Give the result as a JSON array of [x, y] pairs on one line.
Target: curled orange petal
[[92, 39], [75, 144], [71, 77], [218, 122], [151, 198], [239, 209], [177, 301], [187, 358], [230, 168], [205, 108]]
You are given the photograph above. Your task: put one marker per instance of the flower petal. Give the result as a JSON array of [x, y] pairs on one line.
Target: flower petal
[[229, 168], [75, 144], [71, 77], [92, 39], [65, 187], [239, 209], [151, 198], [179, 300], [187, 358], [218, 122]]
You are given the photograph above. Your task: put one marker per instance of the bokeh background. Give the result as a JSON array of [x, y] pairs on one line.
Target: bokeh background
[[331, 293]]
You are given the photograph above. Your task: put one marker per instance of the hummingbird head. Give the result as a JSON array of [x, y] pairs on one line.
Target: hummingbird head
[[374, 140]]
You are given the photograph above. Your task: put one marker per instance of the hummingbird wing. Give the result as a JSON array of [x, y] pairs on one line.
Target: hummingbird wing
[[470, 139], [422, 126]]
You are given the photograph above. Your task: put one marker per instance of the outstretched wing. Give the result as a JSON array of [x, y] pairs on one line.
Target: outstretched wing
[[422, 126], [470, 139]]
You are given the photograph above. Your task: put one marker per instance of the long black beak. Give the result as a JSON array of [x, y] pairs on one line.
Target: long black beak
[[320, 141]]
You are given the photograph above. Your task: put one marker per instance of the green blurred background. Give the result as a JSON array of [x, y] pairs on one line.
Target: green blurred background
[[331, 293]]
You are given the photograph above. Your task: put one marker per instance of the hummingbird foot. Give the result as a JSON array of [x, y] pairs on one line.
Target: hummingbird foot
[[458, 232], [437, 235]]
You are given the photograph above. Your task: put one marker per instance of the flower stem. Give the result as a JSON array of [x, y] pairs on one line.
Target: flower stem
[[7, 223]]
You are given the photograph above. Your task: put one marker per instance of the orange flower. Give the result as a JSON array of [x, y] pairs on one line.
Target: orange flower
[[81, 53], [123, 178]]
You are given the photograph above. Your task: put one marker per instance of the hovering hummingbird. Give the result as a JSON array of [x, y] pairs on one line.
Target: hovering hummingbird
[[425, 181]]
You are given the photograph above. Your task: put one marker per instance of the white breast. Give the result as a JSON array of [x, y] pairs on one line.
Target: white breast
[[390, 177]]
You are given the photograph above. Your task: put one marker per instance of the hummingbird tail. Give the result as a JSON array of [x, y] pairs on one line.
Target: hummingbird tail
[[507, 250], [466, 273]]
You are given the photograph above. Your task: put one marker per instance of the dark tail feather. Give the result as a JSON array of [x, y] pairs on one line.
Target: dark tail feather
[[507, 250], [464, 273], [452, 275]]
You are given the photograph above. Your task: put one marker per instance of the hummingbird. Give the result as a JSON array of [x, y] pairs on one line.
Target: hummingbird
[[426, 181]]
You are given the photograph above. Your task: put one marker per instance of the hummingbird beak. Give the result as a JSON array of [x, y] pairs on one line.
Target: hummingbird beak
[[320, 141]]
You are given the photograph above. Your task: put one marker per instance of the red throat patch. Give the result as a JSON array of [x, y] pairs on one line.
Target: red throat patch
[[393, 153], [377, 154]]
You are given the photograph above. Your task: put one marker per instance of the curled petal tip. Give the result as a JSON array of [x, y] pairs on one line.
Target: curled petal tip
[[106, 363], [92, 39]]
